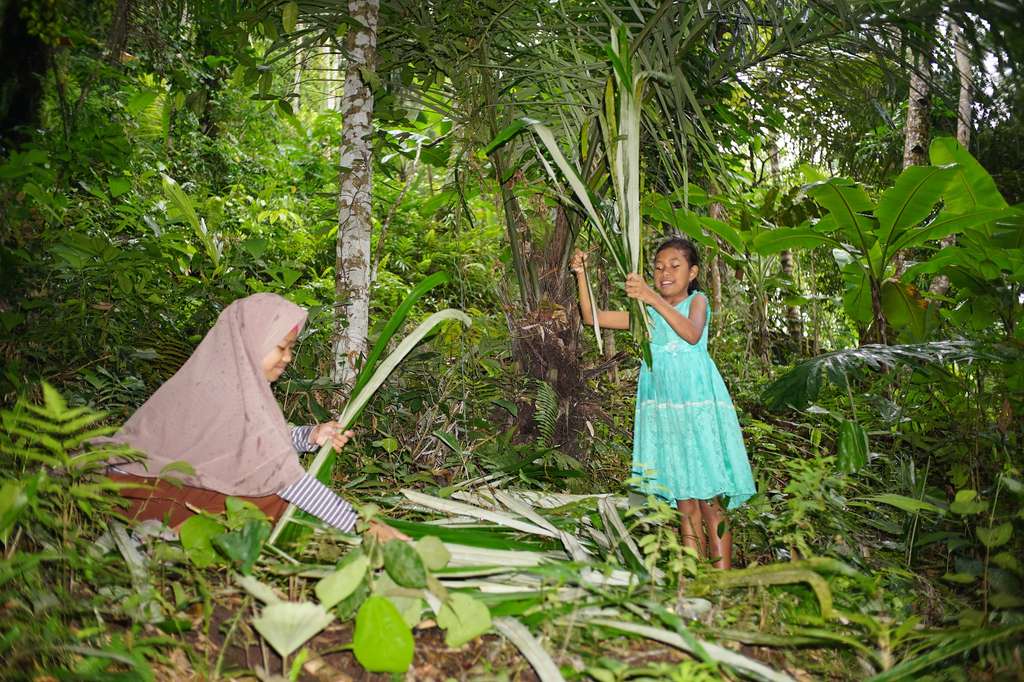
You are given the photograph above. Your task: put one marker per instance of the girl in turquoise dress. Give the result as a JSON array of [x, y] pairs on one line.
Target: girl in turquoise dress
[[687, 443]]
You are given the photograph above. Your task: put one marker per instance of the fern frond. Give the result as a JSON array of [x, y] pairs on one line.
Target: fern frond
[[545, 413]]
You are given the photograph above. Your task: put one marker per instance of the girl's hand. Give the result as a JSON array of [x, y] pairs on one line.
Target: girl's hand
[[384, 533], [330, 431], [637, 288], [578, 261]]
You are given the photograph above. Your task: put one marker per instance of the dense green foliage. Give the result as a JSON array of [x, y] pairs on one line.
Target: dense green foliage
[[159, 160]]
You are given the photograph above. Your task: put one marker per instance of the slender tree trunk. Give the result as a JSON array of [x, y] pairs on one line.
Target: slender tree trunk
[[25, 59], [717, 211], [794, 320], [297, 77], [787, 262], [516, 227], [940, 284], [965, 108], [352, 266], [331, 67], [916, 135]]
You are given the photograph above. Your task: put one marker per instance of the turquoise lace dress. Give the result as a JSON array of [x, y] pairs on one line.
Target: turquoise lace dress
[[687, 442]]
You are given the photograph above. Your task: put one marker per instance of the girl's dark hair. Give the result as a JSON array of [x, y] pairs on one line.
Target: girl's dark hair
[[689, 251]]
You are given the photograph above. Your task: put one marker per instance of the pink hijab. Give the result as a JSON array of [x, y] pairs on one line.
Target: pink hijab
[[218, 413]]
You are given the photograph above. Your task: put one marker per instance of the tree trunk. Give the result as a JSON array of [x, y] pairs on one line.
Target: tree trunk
[[352, 266], [794, 320], [297, 77], [916, 135], [331, 66], [917, 130], [940, 284], [717, 211], [25, 58]]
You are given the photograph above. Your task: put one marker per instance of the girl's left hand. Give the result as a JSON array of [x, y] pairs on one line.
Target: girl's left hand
[[330, 431], [637, 288]]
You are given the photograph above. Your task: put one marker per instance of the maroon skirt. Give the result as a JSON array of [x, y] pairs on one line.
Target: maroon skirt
[[161, 500]]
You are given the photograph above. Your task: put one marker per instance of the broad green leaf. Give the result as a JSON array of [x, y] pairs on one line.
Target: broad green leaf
[[910, 200], [239, 511], [196, 536], [945, 224], [847, 202], [433, 552], [1009, 562], [970, 186], [857, 294], [243, 546], [504, 136], [286, 625], [965, 503], [462, 617], [853, 447], [118, 185], [907, 504], [382, 641], [996, 536], [343, 582], [403, 564], [725, 231], [784, 238], [289, 16], [904, 307]]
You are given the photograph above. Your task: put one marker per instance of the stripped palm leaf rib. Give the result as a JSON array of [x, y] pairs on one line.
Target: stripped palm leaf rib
[[322, 464]]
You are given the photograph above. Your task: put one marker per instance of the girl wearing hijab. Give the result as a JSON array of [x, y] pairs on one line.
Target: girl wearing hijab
[[218, 414]]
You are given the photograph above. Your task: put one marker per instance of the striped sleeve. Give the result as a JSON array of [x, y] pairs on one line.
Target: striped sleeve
[[300, 438], [313, 497]]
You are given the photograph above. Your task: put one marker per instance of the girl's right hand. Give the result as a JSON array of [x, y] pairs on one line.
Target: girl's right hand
[[579, 259]]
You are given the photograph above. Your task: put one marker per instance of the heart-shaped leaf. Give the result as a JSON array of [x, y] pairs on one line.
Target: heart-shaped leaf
[[404, 565], [382, 641], [996, 536], [243, 546], [196, 536], [463, 618], [286, 625], [343, 582], [433, 552]]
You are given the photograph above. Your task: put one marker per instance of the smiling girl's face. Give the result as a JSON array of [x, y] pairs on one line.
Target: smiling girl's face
[[275, 362], [673, 274]]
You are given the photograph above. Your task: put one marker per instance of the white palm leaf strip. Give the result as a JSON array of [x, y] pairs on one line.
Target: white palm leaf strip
[[539, 658], [464, 556], [547, 500], [356, 402], [612, 520], [520, 506], [748, 666], [463, 509], [569, 173]]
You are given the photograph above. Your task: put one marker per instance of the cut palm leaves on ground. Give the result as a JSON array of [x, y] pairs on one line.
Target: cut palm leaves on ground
[[324, 461], [618, 224]]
